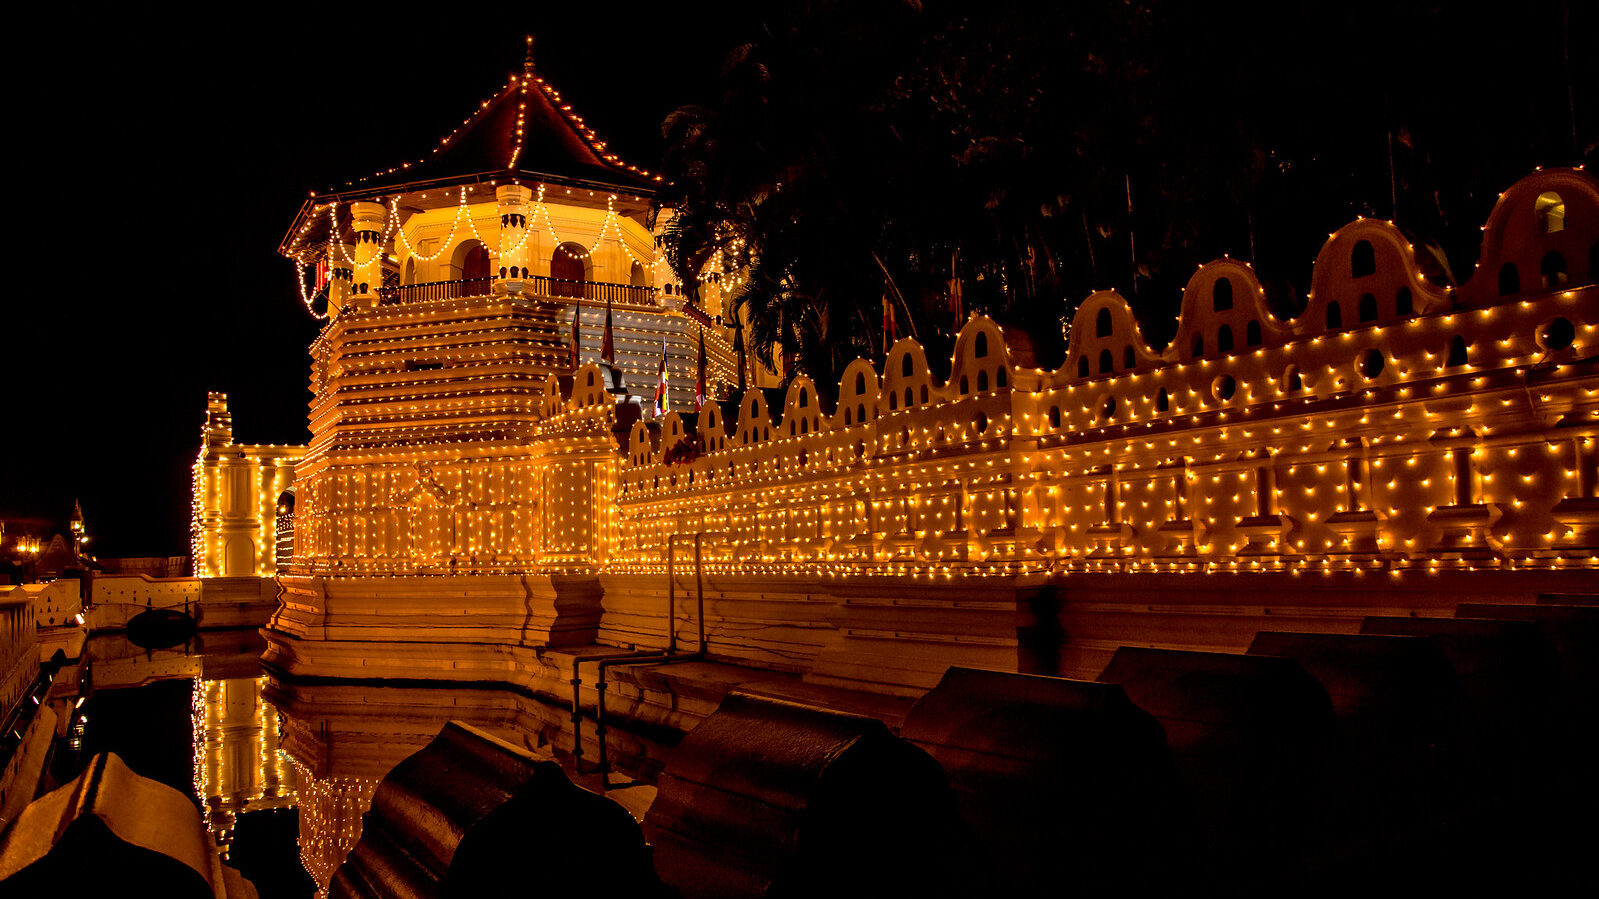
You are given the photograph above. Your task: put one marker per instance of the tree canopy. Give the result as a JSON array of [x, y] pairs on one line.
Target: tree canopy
[[944, 157]]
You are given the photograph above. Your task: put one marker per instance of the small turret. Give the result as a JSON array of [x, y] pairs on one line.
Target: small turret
[[218, 429]]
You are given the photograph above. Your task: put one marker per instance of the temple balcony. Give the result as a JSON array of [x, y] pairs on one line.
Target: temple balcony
[[534, 286]]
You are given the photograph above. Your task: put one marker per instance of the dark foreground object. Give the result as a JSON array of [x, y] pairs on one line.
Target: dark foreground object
[[774, 798], [471, 815], [108, 830]]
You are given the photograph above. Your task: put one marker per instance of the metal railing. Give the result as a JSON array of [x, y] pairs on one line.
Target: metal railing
[[539, 285]]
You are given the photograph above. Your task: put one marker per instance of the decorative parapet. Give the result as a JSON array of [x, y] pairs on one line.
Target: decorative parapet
[[1395, 423]]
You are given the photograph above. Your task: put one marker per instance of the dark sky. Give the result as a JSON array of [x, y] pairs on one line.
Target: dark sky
[[162, 157], [163, 160]]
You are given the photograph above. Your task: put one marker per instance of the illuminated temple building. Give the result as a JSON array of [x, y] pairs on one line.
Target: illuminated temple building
[[473, 508]]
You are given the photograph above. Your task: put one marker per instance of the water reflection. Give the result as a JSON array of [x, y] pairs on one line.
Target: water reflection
[[343, 739], [238, 766]]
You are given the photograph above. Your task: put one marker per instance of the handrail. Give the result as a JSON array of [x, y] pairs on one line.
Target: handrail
[[539, 285]]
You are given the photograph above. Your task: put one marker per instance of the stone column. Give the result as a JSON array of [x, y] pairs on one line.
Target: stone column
[[341, 275], [368, 254], [516, 245]]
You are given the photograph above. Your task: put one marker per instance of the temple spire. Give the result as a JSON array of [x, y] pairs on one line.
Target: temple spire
[[527, 60]]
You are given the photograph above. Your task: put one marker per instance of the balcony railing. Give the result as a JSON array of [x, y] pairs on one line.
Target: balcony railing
[[538, 285]]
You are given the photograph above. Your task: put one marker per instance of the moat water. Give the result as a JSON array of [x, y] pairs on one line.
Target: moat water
[[281, 772], [193, 717]]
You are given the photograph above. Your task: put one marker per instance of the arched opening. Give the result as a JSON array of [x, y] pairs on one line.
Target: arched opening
[[860, 412], [1221, 295], [1054, 416], [1107, 409], [408, 274], [1163, 401], [1551, 211], [638, 276], [1509, 280], [1198, 347], [1102, 326], [1106, 365], [966, 386], [847, 418], [1362, 260], [905, 365], [860, 383], [1457, 352], [568, 270], [470, 261], [999, 378], [1366, 311], [981, 348], [910, 398], [1224, 387], [1335, 316], [982, 381], [1552, 270], [1082, 366], [1252, 333], [1224, 339], [1404, 302], [1128, 358]]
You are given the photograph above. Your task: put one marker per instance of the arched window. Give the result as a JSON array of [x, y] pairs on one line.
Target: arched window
[[924, 393], [1127, 358], [860, 383], [1552, 270], [966, 386], [982, 381], [1335, 316], [981, 348], [893, 401], [905, 365], [803, 398], [1198, 348], [1509, 280], [409, 274], [1551, 211], [908, 398], [860, 412], [1457, 352], [1106, 366], [1221, 295], [1362, 260], [1102, 325], [1224, 339], [1404, 302], [1367, 310], [1252, 333], [999, 378], [1163, 401], [1082, 366], [568, 271], [470, 261], [637, 275]]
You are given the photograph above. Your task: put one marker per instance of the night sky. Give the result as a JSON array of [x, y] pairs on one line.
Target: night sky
[[163, 157]]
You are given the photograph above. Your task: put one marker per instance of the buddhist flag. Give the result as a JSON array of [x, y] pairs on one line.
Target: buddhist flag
[[738, 351], [575, 356], [662, 400], [890, 327], [699, 384], [607, 342]]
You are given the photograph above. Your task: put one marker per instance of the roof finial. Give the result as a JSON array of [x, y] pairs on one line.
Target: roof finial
[[527, 61]]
